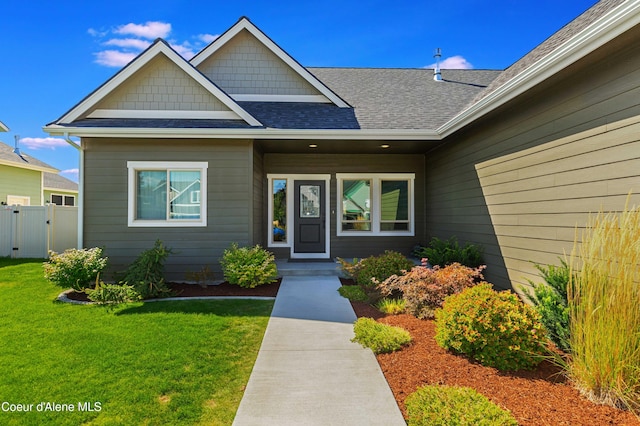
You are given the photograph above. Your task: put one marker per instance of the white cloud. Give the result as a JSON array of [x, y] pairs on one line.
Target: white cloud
[[453, 63], [149, 30], [207, 38], [134, 43], [114, 58], [185, 50], [71, 173], [43, 143]]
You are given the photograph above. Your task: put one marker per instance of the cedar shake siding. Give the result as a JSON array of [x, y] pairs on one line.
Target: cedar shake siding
[[229, 199], [519, 180]]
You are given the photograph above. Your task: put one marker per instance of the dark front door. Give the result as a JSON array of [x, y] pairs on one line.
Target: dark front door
[[310, 220]]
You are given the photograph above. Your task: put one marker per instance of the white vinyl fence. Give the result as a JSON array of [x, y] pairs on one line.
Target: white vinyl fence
[[31, 231]]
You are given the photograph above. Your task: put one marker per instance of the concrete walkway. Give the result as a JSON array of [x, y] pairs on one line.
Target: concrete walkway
[[308, 371]]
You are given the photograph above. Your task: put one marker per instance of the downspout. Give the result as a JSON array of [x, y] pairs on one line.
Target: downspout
[[80, 189]]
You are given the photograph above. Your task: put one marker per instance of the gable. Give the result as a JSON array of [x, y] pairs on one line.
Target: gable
[[160, 86], [245, 66]]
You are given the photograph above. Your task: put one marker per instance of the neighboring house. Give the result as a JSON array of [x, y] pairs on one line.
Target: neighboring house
[[316, 163], [27, 181]]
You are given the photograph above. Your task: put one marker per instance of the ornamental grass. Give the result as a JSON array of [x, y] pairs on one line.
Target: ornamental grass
[[604, 302]]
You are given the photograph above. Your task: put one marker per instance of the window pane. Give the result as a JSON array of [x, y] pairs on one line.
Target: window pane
[[151, 195], [356, 205], [184, 194], [309, 201], [56, 199], [394, 205], [69, 201], [280, 210]]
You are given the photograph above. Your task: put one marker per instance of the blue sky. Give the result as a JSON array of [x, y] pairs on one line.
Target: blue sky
[[54, 53]]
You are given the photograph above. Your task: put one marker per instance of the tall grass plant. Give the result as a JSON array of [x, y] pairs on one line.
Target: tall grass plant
[[604, 304]]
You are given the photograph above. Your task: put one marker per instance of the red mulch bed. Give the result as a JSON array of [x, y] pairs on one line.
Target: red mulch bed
[[195, 290], [539, 397]]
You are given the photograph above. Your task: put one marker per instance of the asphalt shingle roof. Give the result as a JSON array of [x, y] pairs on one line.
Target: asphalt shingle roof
[[22, 160], [55, 181]]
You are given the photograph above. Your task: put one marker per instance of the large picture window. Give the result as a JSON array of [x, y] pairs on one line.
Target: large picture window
[[375, 204], [167, 193]]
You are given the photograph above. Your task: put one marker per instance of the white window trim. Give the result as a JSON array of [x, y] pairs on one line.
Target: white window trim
[[11, 200], [376, 204], [134, 166]]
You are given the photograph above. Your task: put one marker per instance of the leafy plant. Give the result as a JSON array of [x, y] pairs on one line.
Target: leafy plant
[[437, 405], [392, 306], [146, 273], [75, 268], [372, 270], [113, 293], [353, 292], [603, 296], [381, 338], [495, 328], [424, 289], [445, 252], [550, 300], [248, 267], [202, 277]]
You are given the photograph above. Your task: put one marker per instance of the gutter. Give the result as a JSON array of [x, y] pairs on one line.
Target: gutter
[[80, 189]]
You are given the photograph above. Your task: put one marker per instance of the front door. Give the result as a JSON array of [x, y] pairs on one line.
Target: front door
[[309, 217]]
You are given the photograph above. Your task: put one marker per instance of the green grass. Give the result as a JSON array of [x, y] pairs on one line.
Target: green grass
[[166, 362]]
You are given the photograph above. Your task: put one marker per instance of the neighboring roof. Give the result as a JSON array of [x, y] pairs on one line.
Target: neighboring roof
[[9, 158], [3, 127], [55, 181], [392, 98]]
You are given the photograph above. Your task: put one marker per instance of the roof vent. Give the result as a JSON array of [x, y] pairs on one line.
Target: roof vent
[[437, 75], [16, 149]]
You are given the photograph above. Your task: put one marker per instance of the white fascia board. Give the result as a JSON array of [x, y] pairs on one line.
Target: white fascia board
[[199, 133], [280, 98], [245, 24], [137, 64], [28, 166], [608, 27], [3, 127], [167, 114]]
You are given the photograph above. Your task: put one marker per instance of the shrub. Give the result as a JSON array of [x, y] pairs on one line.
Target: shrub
[[445, 252], [353, 293], [603, 297], [146, 273], [392, 306], [113, 293], [424, 289], [494, 328], [550, 300], [372, 270], [75, 268], [248, 267], [381, 338], [452, 405]]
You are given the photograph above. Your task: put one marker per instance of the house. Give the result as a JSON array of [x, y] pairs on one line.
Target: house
[[27, 181], [316, 163]]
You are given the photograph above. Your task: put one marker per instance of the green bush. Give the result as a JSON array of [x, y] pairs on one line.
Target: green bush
[[113, 293], [392, 306], [550, 300], [146, 273], [248, 267], [75, 268], [445, 252], [370, 271], [495, 328], [452, 405], [381, 338], [424, 289], [353, 293]]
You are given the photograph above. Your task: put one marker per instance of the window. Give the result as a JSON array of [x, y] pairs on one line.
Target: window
[[63, 200], [18, 200], [167, 193], [375, 204], [278, 204]]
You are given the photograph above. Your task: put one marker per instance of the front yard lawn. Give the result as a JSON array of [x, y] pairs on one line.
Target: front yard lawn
[[170, 362]]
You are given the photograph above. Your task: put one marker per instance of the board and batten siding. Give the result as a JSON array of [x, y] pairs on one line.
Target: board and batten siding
[[229, 200], [354, 246], [521, 179]]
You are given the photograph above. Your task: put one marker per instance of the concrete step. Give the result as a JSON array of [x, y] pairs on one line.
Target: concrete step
[[308, 269]]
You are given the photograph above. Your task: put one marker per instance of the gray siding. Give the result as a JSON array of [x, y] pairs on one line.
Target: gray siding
[[350, 246], [259, 198], [228, 193], [521, 179]]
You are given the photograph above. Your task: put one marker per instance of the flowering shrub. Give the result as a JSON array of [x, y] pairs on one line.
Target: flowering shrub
[[248, 267], [494, 328], [370, 271], [424, 289], [75, 268]]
